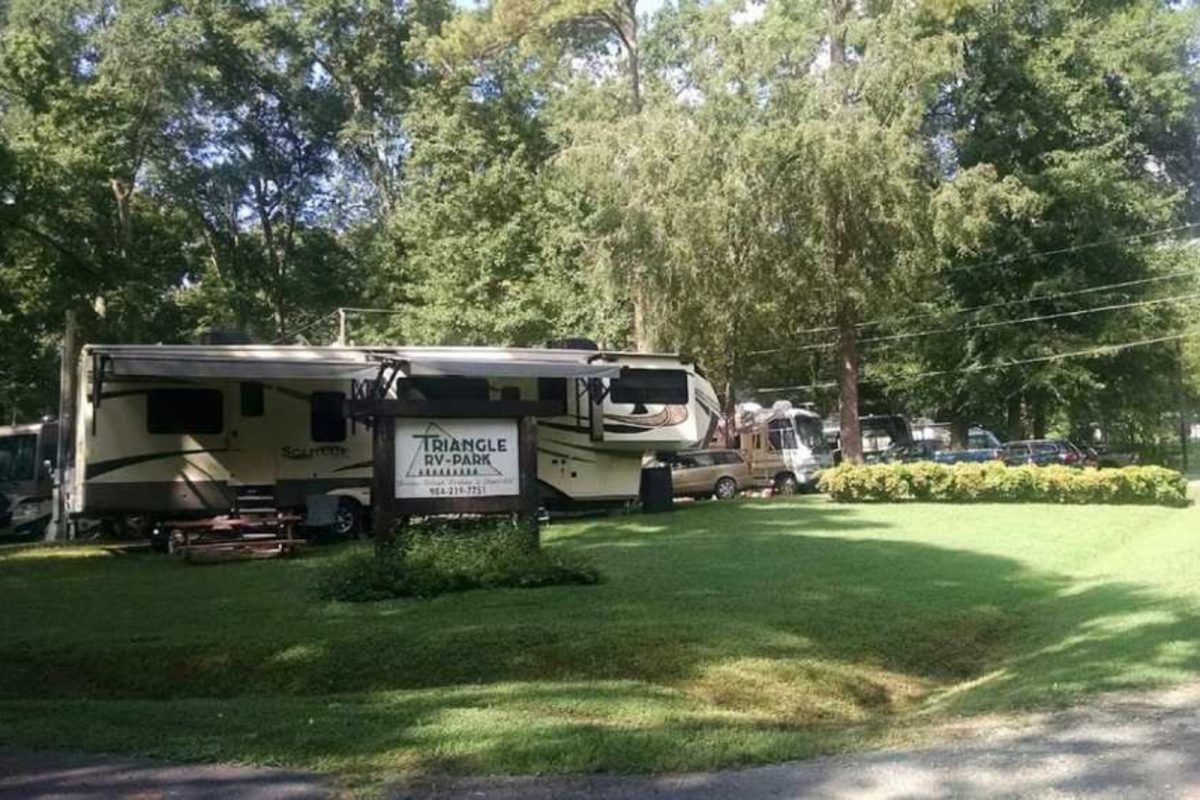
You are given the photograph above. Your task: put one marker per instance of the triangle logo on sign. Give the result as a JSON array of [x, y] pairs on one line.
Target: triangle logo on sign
[[441, 454]]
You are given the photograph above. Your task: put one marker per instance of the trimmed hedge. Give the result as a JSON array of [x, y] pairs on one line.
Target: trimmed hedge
[[994, 482], [445, 556]]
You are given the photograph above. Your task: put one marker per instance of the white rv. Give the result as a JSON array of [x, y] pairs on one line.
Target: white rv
[[169, 431], [783, 446], [27, 457]]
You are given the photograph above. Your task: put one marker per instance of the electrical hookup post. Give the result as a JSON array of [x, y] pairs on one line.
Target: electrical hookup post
[[452, 457]]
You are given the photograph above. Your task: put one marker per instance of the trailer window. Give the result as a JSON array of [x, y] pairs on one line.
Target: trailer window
[[553, 389], [451, 388], [658, 386], [327, 423], [18, 457], [184, 411], [252, 400]]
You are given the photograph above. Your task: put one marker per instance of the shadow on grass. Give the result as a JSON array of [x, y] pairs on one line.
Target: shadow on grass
[[723, 634]]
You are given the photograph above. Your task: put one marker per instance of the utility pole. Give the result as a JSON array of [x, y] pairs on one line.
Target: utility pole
[[341, 340], [65, 451], [1181, 398]]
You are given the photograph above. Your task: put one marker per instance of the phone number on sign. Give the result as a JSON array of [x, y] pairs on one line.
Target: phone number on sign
[[470, 490]]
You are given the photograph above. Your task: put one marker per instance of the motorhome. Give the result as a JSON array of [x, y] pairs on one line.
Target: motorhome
[[783, 446], [169, 431], [27, 459], [880, 433]]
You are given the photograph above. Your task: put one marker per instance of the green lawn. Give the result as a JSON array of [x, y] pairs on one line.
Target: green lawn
[[722, 634]]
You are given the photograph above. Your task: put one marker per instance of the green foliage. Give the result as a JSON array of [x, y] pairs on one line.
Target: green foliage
[[710, 179], [1064, 135], [444, 557], [995, 482]]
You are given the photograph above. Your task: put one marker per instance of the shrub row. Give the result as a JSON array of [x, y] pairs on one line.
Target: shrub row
[[996, 483], [441, 557]]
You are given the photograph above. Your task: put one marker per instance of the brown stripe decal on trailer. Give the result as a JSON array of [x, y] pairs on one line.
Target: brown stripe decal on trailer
[[356, 465], [102, 467]]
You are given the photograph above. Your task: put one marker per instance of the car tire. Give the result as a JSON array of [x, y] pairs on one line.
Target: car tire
[[786, 483], [725, 489], [348, 519]]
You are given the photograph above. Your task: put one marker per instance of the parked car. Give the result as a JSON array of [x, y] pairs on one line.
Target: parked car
[[1042, 452], [707, 473], [908, 453], [982, 445]]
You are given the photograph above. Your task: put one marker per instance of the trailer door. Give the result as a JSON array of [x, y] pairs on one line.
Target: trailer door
[[252, 433]]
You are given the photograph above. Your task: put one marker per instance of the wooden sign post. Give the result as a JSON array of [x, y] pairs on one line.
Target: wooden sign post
[[453, 457]]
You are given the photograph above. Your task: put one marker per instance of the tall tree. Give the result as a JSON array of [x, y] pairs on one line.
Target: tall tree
[[854, 173], [1056, 141]]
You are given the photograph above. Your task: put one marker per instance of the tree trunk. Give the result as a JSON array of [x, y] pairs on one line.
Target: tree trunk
[[1038, 413], [122, 194], [627, 30], [835, 246], [641, 334], [960, 433], [635, 77], [1016, 424], [851, 431]]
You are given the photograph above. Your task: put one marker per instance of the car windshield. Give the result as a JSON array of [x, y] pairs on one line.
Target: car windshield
[[18, 455], [811, 433], [982, 441], [1016, 448]]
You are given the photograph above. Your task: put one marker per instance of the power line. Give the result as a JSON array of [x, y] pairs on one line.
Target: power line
[[986, 325], [1105, 349], [1001, 303], [1012, 259], [306, 327]]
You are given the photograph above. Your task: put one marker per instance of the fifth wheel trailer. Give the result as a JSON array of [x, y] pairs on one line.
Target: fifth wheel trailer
[[173, 431]]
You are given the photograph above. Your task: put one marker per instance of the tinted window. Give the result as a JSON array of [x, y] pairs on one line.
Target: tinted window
[[444, 389], [781, 435], [553, 389], [252, 399], [1016, 449], [327, 423], [1046, 447], [660, 386], [49, 446], [18, 454], [184, 411], [729, 457]]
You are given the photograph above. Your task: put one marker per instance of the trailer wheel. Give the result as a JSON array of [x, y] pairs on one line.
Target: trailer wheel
[[725, 489], [786, 483], [348, 519]]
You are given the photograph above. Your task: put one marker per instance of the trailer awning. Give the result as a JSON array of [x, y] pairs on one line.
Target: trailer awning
[[509, 368], [235, 364], [324, 363]]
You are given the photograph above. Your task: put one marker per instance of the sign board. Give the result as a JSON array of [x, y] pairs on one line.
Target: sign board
[[448, 458]]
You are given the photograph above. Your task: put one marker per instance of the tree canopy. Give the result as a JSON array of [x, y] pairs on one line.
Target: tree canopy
[[914, 205]]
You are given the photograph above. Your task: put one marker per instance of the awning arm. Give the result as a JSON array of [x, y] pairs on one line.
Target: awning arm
[[390, 371], [99, 362]]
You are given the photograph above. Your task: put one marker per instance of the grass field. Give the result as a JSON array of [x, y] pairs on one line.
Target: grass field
[[722, 634]]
